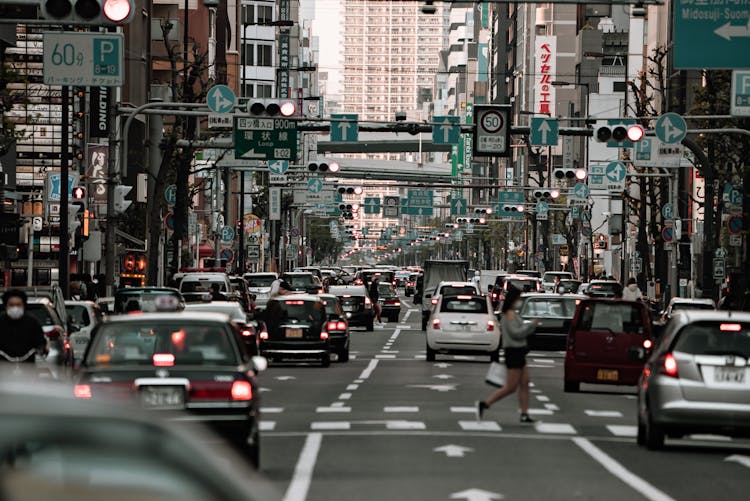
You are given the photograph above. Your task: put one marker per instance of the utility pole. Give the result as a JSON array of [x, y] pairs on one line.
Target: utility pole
[[112, 181]]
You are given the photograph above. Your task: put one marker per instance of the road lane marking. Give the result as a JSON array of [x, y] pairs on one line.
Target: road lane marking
[[739, 459], [556, 428], [330, 425], [406, 317], [541, 412], [551, 407], [705, 436], [543, 360], [337, 404], [352, 387], [267, 425], [323, 410], [453, 451], [479, 425], [385, 356], [395, 334], [345, 396], [463, 410], [594, 413], [271, 410], [303, 472], [400, 409], [535, 391], [405, 425], [393, 352], [623, 430], [540, 366], [542, 398], [616, 469], [368, 370], [359, 381]]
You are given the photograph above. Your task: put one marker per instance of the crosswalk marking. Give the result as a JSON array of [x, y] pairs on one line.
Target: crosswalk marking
[[622, 430], [542, 398], [345, 396], [322, 410], [479, 425], [400, 409], [330, 425], [385, 356], [462, 410], [267, 425], [556, 428], [594, 413], [271, 410], [541, 412], [352, 387], [551, 407]]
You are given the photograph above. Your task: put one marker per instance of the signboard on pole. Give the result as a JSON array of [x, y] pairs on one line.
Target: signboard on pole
[[492, 131], [83, 59], [265, 138], [274, 204], [740, 101]]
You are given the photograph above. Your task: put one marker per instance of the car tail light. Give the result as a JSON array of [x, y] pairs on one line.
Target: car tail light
[[494, 296], [490, 325], [320, 291], [54, 334], [648, 344], [730, 327], [670, 365], [264, 335], [332, 326], [163, 359], [247, 333], [82, 391], [434, 301], [242, 390], [436, 323], [464, 297], [323, 335], [294, 303], [341, 326]]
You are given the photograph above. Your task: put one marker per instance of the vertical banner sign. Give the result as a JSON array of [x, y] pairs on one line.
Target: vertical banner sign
[[274, 204], [284, 51], [98, 126], [96, 171], [545, 68], [482, 66]]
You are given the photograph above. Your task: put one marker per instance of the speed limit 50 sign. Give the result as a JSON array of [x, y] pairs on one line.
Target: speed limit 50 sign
[[492, 130]]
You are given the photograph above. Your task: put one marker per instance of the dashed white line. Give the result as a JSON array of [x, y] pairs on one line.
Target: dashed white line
[[541, 412], [323, 410], [405, 425], [556, 428], [542, 398], [718, 438], [338, 404], [368, 370], [463, 410], [551, 407], [616, 469], [345, 396], [400, 409], [479, 426], [267, 425], [406, 317], [303, 472], [330, 425], [543, 360], [359, 381], [594, 413], [352, 387], [271, 410]]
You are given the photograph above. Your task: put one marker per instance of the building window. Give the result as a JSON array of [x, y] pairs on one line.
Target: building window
[[263, 90], [264, 55], [618, 86], [249, 53], [265, 14], [248, 14], [249, 90]]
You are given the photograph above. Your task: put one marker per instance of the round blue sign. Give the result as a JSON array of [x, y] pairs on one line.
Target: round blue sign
[[671, 128], [227, 254]]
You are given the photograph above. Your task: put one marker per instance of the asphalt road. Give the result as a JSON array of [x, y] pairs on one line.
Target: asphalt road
[[388, 425]]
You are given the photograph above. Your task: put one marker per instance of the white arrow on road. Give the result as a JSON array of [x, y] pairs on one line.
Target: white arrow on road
[[544, 129], [670, 130], [476, 495], [453, 451], [285, 378], [739, 458], [435, 387], [727, 31], [251, 154], [443, 376]]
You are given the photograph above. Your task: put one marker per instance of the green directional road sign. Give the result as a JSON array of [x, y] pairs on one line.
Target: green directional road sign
[[344, 128], [420, 198], [671, 128], [544, 132], [581, 191], [458, 206], [372, 205], [614, 174], [418, 205], [447, 130], [711, 34], [265, 138]]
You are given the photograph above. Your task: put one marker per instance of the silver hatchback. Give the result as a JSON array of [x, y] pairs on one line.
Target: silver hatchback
[[697, 380]]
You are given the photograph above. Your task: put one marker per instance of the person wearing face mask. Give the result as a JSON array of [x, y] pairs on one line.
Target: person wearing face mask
[[515, 332], [19, 332]]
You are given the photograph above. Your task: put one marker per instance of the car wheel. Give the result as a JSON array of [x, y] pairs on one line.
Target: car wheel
[[653, 434], [370, 325], [495, 356], [430, 354], [344, 356], [572, 386]]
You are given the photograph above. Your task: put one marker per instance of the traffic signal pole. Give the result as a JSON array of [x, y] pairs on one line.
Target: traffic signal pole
[[63, 260]]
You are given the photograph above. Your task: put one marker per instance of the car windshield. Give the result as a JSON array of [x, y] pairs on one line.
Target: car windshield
[[549, 308], [385, 289], [40, 313], [464, 305], [611, 317], [233, 310], [522, 285], [78, 314], [173, 343], [299, 280], [453, 290], [260, 281], [715, 338]]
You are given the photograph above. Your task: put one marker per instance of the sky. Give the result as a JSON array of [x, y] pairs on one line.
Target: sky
[[327, 16]]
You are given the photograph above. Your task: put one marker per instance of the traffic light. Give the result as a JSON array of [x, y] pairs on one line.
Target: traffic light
[[95, 12], [513, 209], [350, 190], [482, 210], [471, 220], [619, 133], [121, 204], [602, 242], [578, 174], [331, 167], [271, 107], [79, 193], [545, 194]]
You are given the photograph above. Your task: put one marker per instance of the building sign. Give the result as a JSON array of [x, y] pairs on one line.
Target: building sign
[[545, 68], [96, 171], [98, 124], [284, 51]]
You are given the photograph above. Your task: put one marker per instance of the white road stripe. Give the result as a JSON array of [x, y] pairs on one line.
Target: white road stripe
[[718, 438], [390, 351], [271, 410], [359, 381], [463, 410], [623, 430], [345, 396], [594, 413], [616, 469], [323, 410], [330, 425], [551, 407], [386, 356], [556, 428], [406, 317], [479, 426], [542, 398], [267, 425], [395, 334], [303, 472], [541, 412], [352, 387], [540, 366], [543, 360], [400, 409], [405, 425], [337, 404], [368, 370]]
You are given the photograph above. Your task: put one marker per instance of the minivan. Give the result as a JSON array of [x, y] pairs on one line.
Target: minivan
[[608, 343]]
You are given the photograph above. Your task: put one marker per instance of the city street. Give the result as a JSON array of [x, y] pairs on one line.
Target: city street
[[388, 425]]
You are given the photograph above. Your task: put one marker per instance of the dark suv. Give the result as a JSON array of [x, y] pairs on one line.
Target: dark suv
[[296, 329], [356, 303], [302, 281]]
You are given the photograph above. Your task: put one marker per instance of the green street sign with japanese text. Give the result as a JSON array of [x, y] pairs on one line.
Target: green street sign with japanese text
[[265, 138]]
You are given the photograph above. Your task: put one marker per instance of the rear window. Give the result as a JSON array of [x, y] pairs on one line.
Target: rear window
[[146, 301], [458, 305], [608, 288], [39, 313], [548, 308], [450, 290], [302, 311], [331, 308], [385, 289], [550, 277], [611, 317], [136, 343], [715, 338], [691, 306], [190, 286], [260, 281], [79, 315], [344, 291], [522, 285], [299, 280]]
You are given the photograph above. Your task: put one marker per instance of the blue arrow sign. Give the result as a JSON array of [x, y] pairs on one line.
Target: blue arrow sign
[[615, 172], [544, 132], [220, 99], [315, 185], [278, 166], [446, 130], [344, 128], [581, 191], [458, 206], [671, 128]]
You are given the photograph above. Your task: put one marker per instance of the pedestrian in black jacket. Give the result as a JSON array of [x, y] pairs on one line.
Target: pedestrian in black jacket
[[20, 333]]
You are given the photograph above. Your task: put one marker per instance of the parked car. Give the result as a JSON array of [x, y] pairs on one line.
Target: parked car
[[604, 288], [337, 327], [463, 324], [356, 304], [607, 343], [260, 285], [296, 329], [548, 279], [303, 281], [698, 378], [190, 361], [84, 316], [554, 312], [389, 301]]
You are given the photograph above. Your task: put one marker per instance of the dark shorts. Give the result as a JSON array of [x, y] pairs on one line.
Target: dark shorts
[[515, 358]]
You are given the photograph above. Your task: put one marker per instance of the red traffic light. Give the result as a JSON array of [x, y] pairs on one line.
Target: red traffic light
[[635, 133], [79, 193], [117, 11]]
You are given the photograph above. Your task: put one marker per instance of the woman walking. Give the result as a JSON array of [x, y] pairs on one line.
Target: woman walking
[[515, 331]]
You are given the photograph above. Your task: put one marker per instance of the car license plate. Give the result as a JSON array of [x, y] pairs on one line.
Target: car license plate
[[607, 375], [294, 333], [162, 397], [729, 375], [349, 307]]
